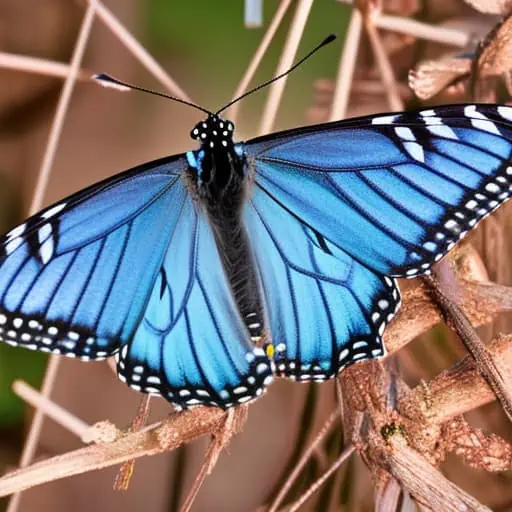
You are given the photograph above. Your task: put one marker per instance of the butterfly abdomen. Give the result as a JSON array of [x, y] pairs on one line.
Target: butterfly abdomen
[[219, 186]]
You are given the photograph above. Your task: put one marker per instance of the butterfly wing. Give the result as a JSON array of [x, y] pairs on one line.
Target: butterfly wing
[[395, 192], [192, 346], [75, 278], [325, 309]]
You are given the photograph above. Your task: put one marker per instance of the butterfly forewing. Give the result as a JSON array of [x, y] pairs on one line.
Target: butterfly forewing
[[74, 278], [396, 191]]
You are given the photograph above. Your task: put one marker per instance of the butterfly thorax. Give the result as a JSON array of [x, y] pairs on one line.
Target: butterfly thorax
[[218, 165], [216, 172]]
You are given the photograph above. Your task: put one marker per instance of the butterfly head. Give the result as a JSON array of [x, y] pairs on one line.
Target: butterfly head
[[214, 132]]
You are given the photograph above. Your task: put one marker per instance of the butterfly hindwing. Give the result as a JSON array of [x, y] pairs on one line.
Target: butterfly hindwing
[[325, 309], [74, 278], [396, 192], [192, 346]]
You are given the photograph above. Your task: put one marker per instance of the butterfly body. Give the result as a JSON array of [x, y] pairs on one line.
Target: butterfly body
[[207, 274], [220, 184]]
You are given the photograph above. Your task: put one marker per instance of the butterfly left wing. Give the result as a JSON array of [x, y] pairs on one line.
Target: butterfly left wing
[[325, 310], [395, 191], [75, 277], [192, 346]]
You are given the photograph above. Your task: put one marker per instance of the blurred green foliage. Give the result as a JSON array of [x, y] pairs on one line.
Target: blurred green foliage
[[17, 364], [206, 47]]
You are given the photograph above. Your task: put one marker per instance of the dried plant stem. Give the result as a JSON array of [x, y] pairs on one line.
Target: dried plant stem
[[346, 68], [58, 414], [139, 52], [290, 480], [200, 477], [164, 436], [62, 107], [425, 483], [37, 201], [451, 394], [481, 303], [387, 498], [420, 30], [484, 359], [124, 475], [258, 56], [347, 452], [456, 390], [235, 418], [285, 62], [386, 71], [38, 66]]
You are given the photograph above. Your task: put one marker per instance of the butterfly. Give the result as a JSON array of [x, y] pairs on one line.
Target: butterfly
[[209, 273]]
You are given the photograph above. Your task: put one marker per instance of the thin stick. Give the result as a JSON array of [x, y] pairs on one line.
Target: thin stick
[[346, 67], [138, 50], [420, 30], [37, 201], [38, 66], [60, 114], [157, 438], [345, 454], [203, 473], [484, 359], [57, 413], [220, 439], [124, 475], [256, 60], [303, 460], [287, 57], [386, 71]]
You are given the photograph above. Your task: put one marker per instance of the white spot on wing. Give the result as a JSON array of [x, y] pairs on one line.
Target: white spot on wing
[[46, 251], [44, 232], [17, 231], [13, 245], [405, 133], [442, 131], [493, 188], [505, 112], [479, 121], [53, 211], [415, 150], [384, 119]]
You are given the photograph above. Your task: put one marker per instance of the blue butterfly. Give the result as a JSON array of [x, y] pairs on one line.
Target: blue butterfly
[[209, 273]]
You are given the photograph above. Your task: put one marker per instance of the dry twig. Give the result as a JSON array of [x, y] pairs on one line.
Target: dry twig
[[124, 475]]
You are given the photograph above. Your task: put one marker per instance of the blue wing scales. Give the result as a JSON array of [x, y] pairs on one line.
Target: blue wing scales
[[325, 309], [192, 346], [75, 278], [396, 192]]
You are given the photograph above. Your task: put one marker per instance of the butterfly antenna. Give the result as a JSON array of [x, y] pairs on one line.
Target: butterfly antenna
[[109, 81], [329, 39]]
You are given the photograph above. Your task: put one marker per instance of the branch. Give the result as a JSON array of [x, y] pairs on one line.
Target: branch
[[481, 302], [457, 390], [164, 436]]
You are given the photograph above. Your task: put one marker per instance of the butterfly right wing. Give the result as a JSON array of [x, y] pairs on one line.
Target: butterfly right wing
[[192, 346], [74, 278], [325, 309]]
